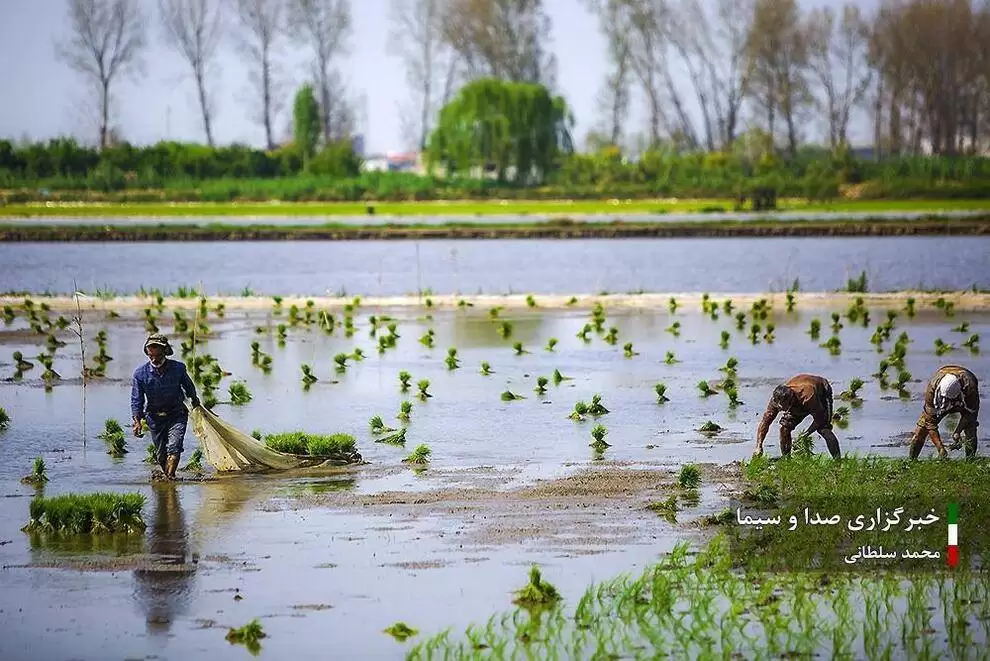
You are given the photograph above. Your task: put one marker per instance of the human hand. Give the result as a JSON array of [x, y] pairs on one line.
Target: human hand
[[137, 428]]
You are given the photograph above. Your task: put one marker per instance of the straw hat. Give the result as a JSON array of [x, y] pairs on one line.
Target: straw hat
[[160, 340]]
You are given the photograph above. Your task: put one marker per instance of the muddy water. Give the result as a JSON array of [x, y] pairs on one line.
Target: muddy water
[[328, 560], [537, 266]]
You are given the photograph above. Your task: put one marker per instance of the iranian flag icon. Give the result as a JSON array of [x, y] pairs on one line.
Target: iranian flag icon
[[953, 518]]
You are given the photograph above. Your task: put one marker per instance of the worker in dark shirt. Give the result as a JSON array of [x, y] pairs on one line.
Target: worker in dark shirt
[[801, 396], [952, 389], [158, 390]]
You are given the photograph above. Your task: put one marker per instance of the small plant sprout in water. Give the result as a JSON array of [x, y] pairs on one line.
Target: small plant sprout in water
[[378, 425], [341, 360], [612, 336], [903, 377], [597, 408], [724, 340], [423, 385], [705, 301], [536, 595], [627, 350], [841, 417], [598, 434], [689, 477], [768, 337], [429, 302], [585, 332], [754, 333], [836, 322], [357, 354], [962, 328], [427, 339], [733, 396], [308, 377], [852, 393], [405, 408], [39, 474], [674, 329], [551, 343], [740, 320], [661, 390], [401, 631], [834, 345], [670, 359], [420, 456], [665, 508], [580, 410], [530, 301], [113, 436], [505, 329], [464, 304], [249, 636], [706, 390], [518, 348], [451, 359], [393, 437], [709, 428], [509, 396], [941, 348], [973, 343], [195, 463], [947, 307], [791, 301], [672, 305], [909, 307], [493, 312], [150, 455], [559, 378], [239, 393], [572, 300], [486, 369], [541, 385], [404, 378]]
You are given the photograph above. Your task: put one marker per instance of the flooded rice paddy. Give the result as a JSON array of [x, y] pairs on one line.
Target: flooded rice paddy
[[383, 268], [327, 560]]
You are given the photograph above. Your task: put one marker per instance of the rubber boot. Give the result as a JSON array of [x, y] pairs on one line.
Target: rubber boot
[[171, 465]]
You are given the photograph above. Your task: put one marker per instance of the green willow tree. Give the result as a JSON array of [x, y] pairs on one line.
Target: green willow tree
[[502, 125], [306, 124]]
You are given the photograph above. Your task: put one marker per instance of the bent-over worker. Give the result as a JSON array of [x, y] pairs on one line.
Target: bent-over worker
[[952, 389], [157, 396], [801, 396]]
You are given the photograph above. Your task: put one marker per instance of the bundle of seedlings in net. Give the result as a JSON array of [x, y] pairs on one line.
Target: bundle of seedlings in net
[[518, 348], [509, 396], [585, 332], [423, 386], [724, 340], [505, 329], [94, 513], [337, 447], [674, 329], [195, 463], [768, 337], [537, 594], [427, 339], [627, 350], [973, 343], [239, 393], [541, 385], [401, 631], [113, 436], [249, 635], [941, 348], [452, 361], [834, 345], [405, 409], [706, 389], [689, 477], [612, 336], [709, 428], [851, 394], [486, 369], [420, 456], [598, 434], [39, 474]]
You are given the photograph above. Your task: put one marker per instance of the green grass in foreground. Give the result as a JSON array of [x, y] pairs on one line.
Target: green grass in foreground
[[87, 513], [720, 603], [465, 207]]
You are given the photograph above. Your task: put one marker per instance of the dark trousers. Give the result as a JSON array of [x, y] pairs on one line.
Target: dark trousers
[[167, 433]]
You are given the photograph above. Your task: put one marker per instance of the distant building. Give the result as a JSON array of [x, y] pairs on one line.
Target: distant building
[[394, 162]]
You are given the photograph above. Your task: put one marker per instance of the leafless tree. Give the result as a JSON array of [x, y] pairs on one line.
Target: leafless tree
[[192, 27], [837, 58], [614, 24], [105, 41], [324, 25], [647, 45], [263, 22]]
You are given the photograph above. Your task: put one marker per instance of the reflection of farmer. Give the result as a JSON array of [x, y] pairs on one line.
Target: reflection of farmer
[[161, 382], [952, 389], [163, 587], [803, 395]]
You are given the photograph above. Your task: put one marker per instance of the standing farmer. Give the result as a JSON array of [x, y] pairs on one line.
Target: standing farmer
[[801, 396], [952, 389], [161, 382]]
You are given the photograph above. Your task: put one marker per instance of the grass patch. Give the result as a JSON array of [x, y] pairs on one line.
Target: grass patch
[[96, 513]]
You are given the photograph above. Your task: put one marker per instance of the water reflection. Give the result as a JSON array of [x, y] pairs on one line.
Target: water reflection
[[164, 587]]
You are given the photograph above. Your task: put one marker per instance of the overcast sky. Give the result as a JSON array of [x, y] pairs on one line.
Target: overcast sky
[[42, 97]]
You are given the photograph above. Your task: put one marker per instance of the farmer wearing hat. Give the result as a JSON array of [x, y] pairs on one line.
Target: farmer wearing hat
[[157, 397], [795, 400], [952, 389]]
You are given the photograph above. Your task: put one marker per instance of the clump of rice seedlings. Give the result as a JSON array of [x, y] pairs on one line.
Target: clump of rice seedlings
[[195, 463], [537, 594], [405, 408], [393, 332], [349, 326], [760, 309], [341, 360], [180, 324], [672, 305], [308, 378], [509, 396], [38, 475], [665, 508], [4, 419], [768, 337], [486, 369], [689, 477], [724, 340], [612, 336], [378, 425], [909, 307], [572, 300], [256, 434], [209, 399], [961, 328], [674, 329], [791, 301], [423, 386], [815, 329], [903, 377], [427, 339], [541, 385], [841, 417], [401, 631], [730, 366], [710, 428], [464, 304], [740, 320], [404, 379], [95, 513], [530, 301], [834, 345], [420, 456], [8, 314], [113, 436], [661, 390], [429, 302], [518, 348], [150, 454], [754, 333], [493, 312], [941, 348], [265, 363], [948, 307], [558, 378], [393, 437], [451, 359], [804, 445], [598, 434], [627, 350], [973, 343], [670, 359], [585, 332], [836, 322], [357, 354], [733, 395], [249, 635], [315, 445], [727, 306], [239, 393], [551, 343], [20, 364], [705, 301], [281, 333], [220, 310], [706, 390], [580, 410], [852, 393]]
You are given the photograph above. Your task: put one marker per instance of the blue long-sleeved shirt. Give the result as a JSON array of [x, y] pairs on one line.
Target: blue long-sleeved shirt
[[162, 389]]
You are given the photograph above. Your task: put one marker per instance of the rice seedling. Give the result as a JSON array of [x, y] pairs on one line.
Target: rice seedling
[[710, 428], [464, 304], [612, 336], [661, 390], [945, 306], [724, 340], [249, 635], [852, 392], [509, 396], [754, 333], [239, 393], [580, 410], [530, 301], [19, 363], [558, 378], [597, 408], [486, 369], [672, 305], [518, 348], [150, 454], [405, 408], [961, 328], [505, 329], [836, 322], [730, 366], [727, 306], [670, 359], [840, 417], [378, 425], [8, 314], [393, 331], [537, 594], [585, 332], [791, 301], [420, 456], [665, 508], [38, 475], [541, 385], [96, 513], [404, 379], [973, 343], [195, 463], [494, 312], [427, 339], [393, 437], [833, 344], [341, 361], [4, 419], [401, 631], [857, 285], [429, 302], [674, 329], [705, 301], [256, 434], [903, 377], [733, 396], [265, 363], [768, 337], [357, 354], [335, 446], [941, 348], [451, 359], [423, 386], [909, 307], [689, 477], [208, 399], [113, 436], [804, 445], [551, 343], [627, 350]]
